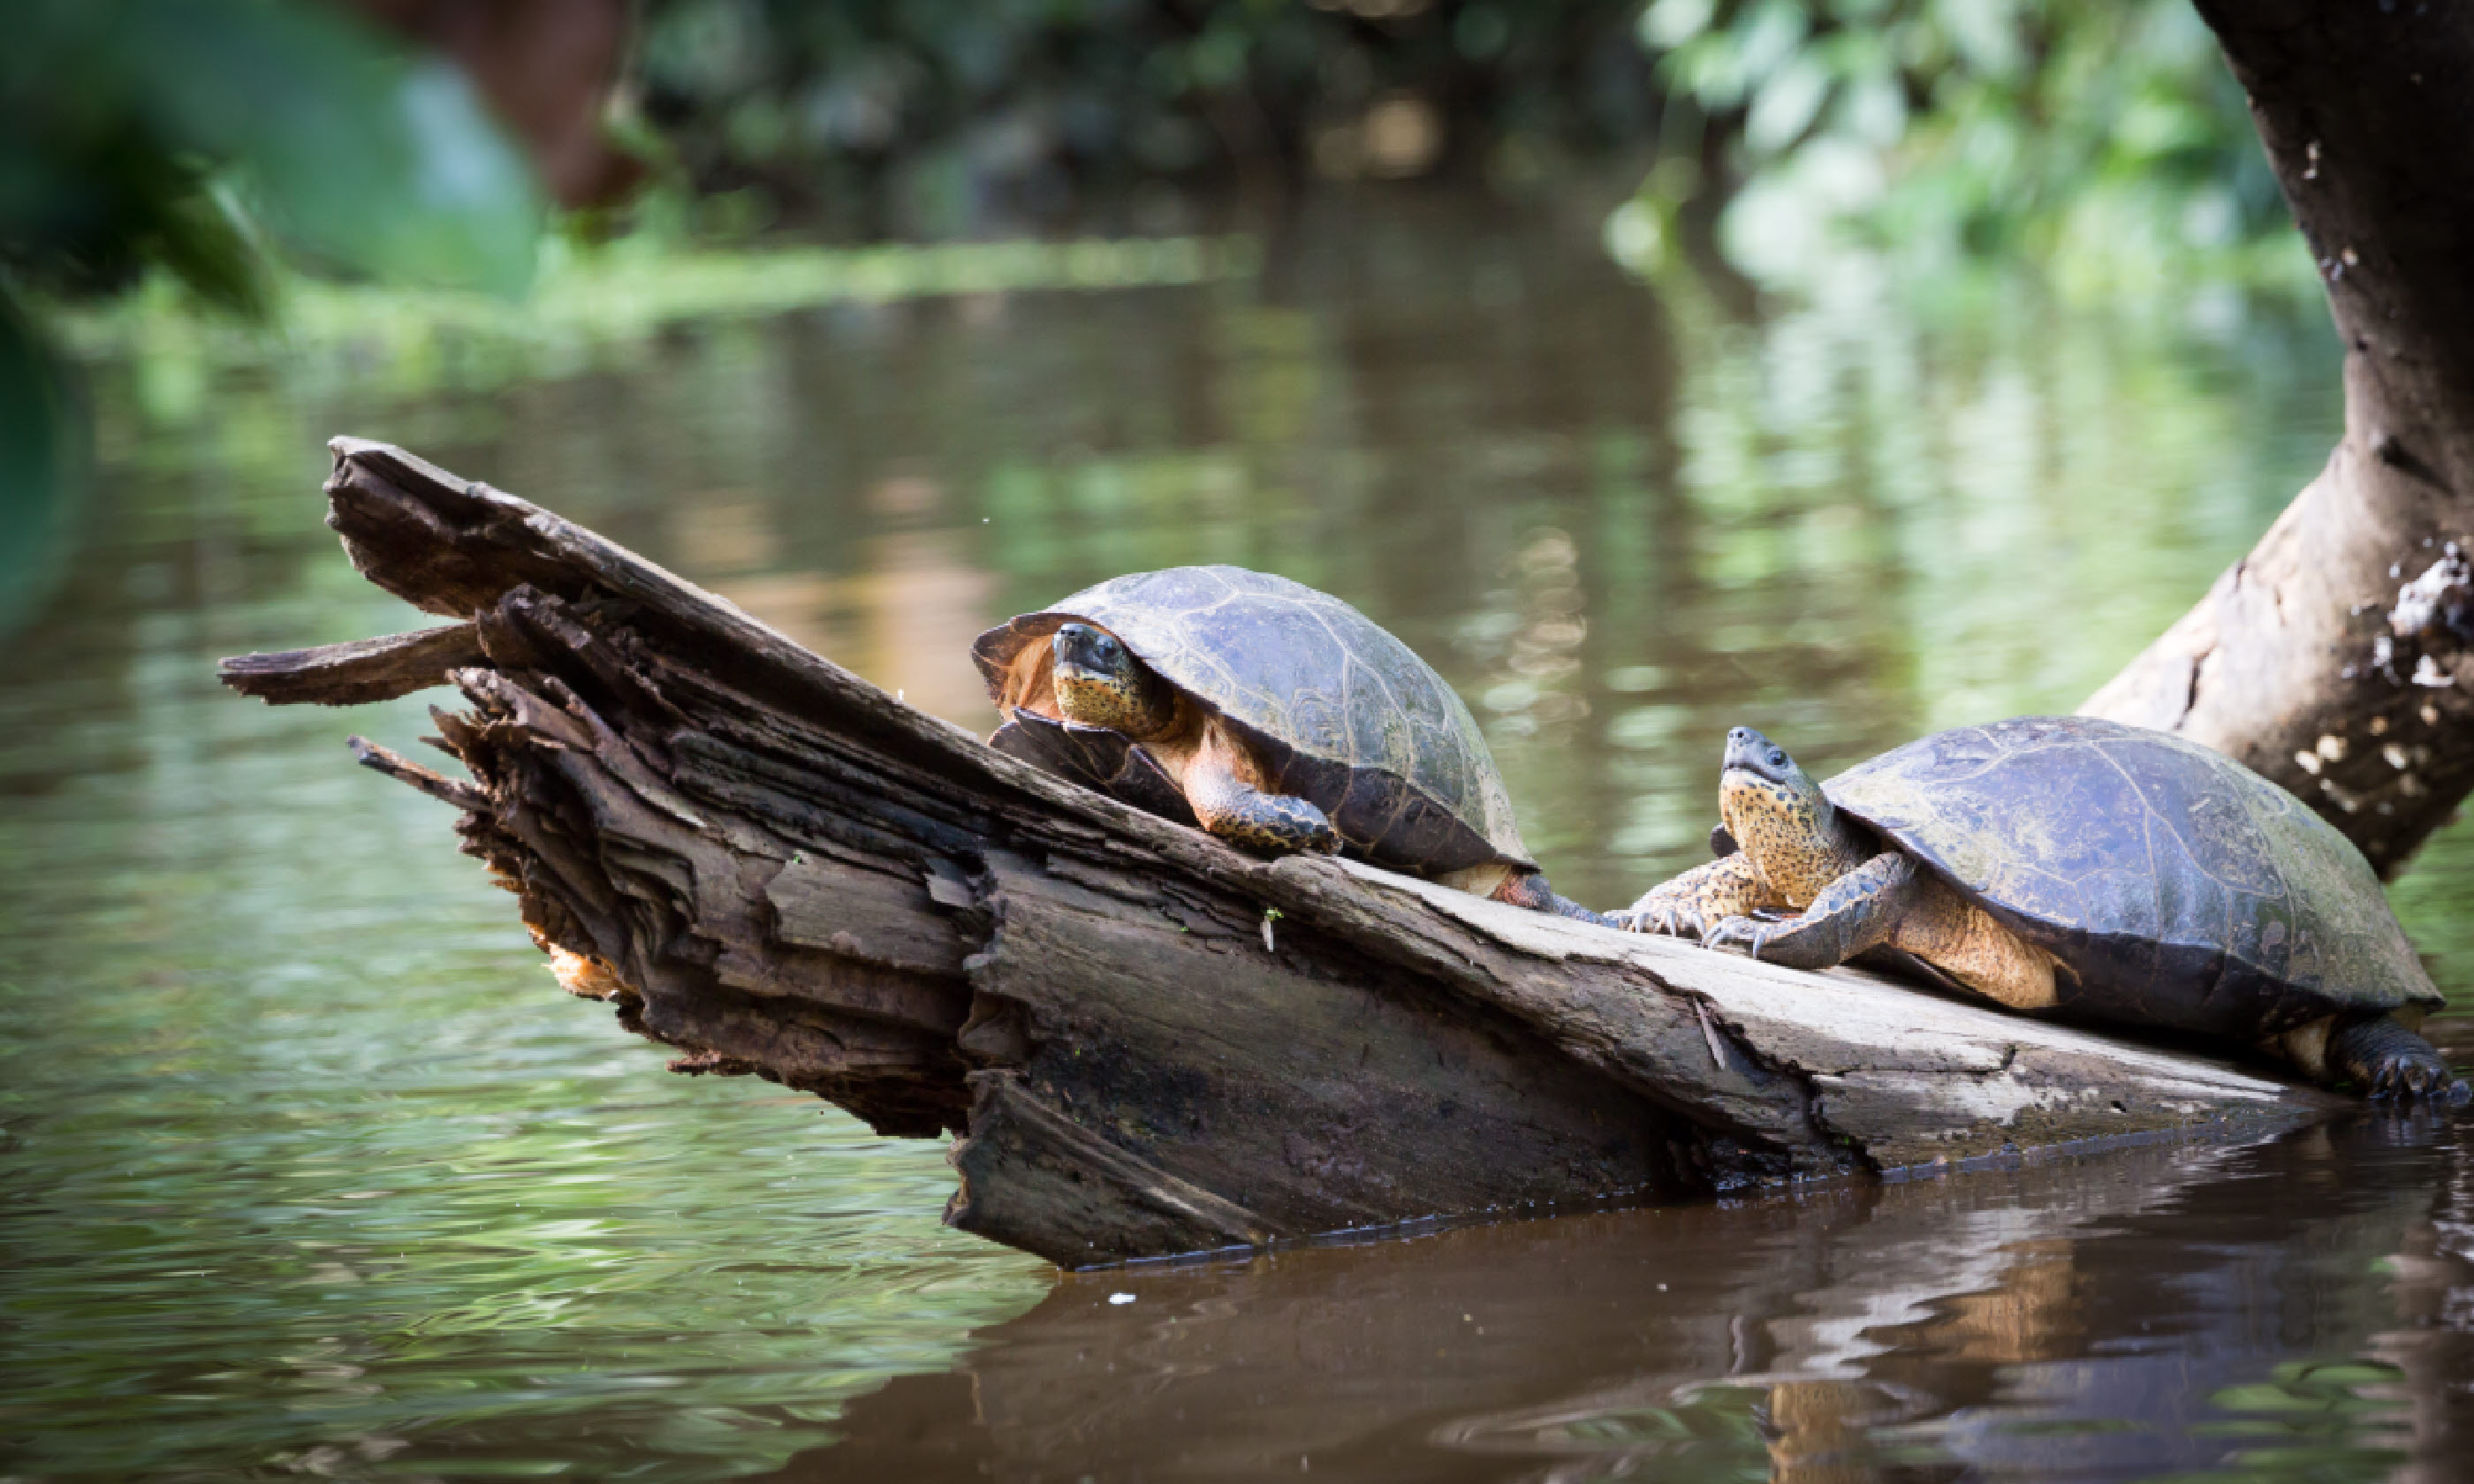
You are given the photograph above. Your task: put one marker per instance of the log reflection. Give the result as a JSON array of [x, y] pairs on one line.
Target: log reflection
[[2113, 1317]]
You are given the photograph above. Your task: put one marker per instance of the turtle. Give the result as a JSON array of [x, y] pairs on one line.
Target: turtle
[[1275, 717], [2078, 867]]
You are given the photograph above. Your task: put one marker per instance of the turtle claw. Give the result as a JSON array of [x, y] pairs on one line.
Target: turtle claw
[[1738, 932], [2414, 1078], [2389, 1061], [1669, 916]]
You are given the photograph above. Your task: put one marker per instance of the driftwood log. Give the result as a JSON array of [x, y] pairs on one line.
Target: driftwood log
[[2337, 658], [1148, 1042]]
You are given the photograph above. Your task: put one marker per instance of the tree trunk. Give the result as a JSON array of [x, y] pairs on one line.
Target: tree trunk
[[1150, 1042], [2329, 659]]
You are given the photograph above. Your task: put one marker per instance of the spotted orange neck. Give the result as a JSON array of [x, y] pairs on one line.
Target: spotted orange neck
[[1792, 834]]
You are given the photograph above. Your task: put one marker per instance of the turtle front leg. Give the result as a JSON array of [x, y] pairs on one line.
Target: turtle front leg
[[1860, 910], [1702, 898], [1250, 819], [2391, 1060]]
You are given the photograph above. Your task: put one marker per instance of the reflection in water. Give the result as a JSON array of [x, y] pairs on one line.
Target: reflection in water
[[310, 1171], [896, 621], [2150, 1313]]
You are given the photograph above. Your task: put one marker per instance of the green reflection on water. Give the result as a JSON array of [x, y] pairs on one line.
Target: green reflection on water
[[306, 1160], [311, 1167], [2311, 1420]]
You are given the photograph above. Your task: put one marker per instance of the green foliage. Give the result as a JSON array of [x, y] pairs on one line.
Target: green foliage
[[42, 456], [171, 131], [204, 136], [606, 300], [932, 118], [303, 1107], [2309, 1422], [2107, 141]]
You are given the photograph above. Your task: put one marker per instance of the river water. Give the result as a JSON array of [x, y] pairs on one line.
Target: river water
[[310, 1170]]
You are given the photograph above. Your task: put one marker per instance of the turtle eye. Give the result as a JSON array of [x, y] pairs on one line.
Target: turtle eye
[[1778, 758]]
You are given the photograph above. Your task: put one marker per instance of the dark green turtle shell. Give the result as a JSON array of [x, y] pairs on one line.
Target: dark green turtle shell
[[2180, 888], [1337, 710]]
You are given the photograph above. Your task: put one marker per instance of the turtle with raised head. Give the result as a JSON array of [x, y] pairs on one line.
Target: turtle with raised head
[[2076, 866], [1276, 717]]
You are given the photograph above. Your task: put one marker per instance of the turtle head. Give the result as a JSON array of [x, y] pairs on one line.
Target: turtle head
[[1101, 684], [1776, 814], [1749, 752]]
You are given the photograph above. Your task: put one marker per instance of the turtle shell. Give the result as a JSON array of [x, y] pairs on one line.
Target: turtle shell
[[2180, 888], [1336, 709]]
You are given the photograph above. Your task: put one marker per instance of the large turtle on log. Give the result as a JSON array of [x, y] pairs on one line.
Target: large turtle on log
[[2078, 866], [1276, 717]]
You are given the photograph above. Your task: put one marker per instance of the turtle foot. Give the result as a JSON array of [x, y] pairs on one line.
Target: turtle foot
[[1744, 934], [2409, 1080], [1670, 915], [1271, 824], [2393, 1063]]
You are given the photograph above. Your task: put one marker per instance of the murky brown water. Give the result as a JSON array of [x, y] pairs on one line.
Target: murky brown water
[[2131, 1316], [312, 1170]]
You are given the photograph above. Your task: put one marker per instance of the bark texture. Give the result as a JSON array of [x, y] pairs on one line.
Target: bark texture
[[1150, 1042], [357, 673], [2329, 659]]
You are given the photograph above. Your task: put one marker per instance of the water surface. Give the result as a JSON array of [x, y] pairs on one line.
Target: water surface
[[312, 1171]]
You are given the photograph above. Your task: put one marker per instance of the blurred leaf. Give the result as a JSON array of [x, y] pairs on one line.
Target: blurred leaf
[[205, 240], [377, 163], [2264, 1396], [2343, 1373], [1787, 102], [1874, 109], [42, 467], [1669, 24], [1985, 33], [145, 131], [1769, 35]]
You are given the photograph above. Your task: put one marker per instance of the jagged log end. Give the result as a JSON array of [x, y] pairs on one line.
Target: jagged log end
[[405, 545], [780, 871], [404, 770], [357, 673]]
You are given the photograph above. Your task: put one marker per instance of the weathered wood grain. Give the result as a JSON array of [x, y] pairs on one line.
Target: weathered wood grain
[[1147, 1041], [357, 673]]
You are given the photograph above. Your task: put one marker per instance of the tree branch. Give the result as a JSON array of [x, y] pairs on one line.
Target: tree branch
[[2329, 659]]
